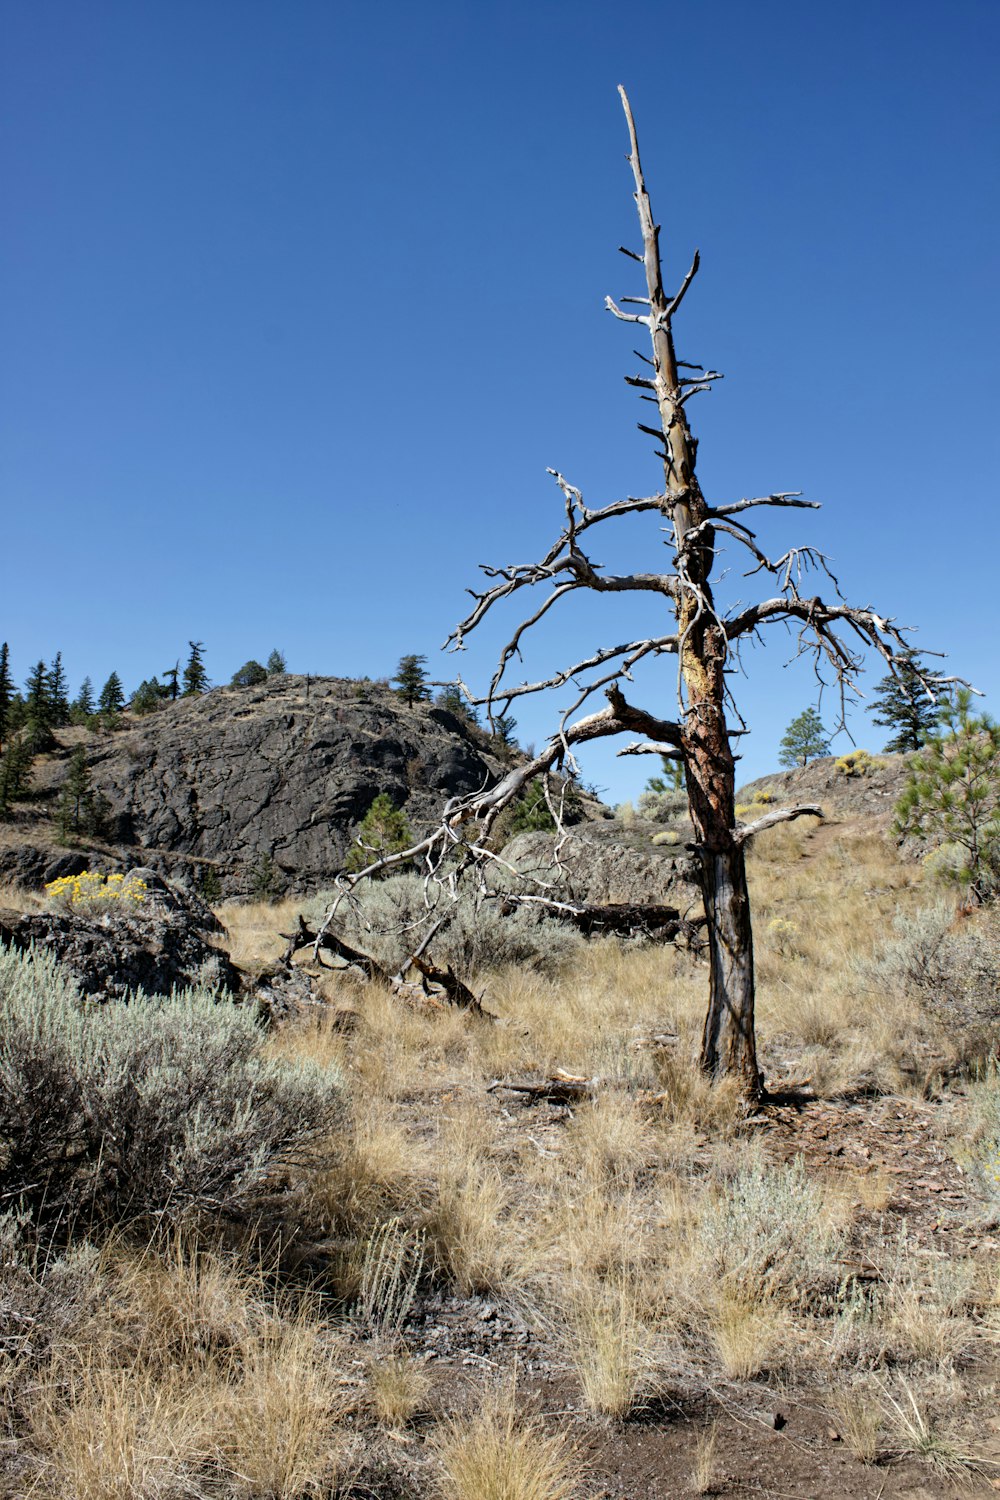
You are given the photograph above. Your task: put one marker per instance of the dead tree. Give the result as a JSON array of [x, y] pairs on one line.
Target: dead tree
[[704, 639]]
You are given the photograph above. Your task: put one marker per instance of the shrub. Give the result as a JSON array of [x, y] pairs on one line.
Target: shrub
[[855, 763], [143, 1112], [92, 891], [388, 918], [663, 806], [765, 1233]]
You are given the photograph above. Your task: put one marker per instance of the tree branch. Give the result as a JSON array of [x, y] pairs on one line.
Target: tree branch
[[780, 815]]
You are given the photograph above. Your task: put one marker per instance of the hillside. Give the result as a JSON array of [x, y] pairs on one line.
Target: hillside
[[275, 778]]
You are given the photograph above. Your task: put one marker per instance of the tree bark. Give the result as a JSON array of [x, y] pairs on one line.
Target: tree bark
[[728, 1047]]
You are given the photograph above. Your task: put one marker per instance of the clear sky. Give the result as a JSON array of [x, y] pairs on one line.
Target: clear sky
[[300, 299]]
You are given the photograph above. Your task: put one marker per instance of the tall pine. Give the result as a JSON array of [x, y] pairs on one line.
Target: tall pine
[[903, 706], [39, 714], [195, 676], [6, 693], [111, 700], [58, 695]]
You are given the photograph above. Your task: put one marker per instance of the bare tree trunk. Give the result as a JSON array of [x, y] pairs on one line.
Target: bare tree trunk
[[728, 1047]]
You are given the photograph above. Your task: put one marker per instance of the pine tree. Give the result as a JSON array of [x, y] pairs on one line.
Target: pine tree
[[276, 666], [904, 707], [39, 713], [672, 779], [251, 674], [804, 740], [412, 680], [111, 700], [384, 830], [170, 686], [148, 697], [15, 772], [75, 795], [451, 699], [952, 796], [195, 676], [502, 739], [57, 692], [6, 693], [82, 710]]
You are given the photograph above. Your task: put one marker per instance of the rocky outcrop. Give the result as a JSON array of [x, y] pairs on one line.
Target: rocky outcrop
[[113, 948], [872, 794], [612, 862], [266, 786]]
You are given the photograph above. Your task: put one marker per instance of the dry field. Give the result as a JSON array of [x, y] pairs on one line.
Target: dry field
[[494, 1295]]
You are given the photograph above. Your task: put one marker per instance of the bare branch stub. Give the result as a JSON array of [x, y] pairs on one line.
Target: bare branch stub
[[702, 636]]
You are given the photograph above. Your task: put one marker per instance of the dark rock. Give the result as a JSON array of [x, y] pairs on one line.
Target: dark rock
[[114, 949], [267, 785]]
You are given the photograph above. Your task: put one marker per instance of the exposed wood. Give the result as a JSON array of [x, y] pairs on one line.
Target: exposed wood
[[625, 919], [558, 1088]]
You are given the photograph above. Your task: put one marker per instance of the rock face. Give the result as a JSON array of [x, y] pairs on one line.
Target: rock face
[[268, 784], [871, 795], [609, 862], [157, 945]]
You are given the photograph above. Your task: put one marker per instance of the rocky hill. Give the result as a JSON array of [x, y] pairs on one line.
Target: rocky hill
[[271, 779]]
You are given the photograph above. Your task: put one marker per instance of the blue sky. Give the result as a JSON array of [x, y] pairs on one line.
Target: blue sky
[[300, 299]]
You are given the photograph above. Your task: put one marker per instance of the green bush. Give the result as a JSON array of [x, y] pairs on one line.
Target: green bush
[[146, 1112]]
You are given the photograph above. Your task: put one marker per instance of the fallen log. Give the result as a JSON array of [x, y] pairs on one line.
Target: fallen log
[[558, 1088], [663, 924]]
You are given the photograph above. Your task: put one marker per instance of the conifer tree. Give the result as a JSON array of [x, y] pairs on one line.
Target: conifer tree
[[276, 666], [15, 772], [451, 699], [671, 779], [384, 830], [75, 795], [171, 687], [57, 692], [39, 712], [195, 676], [6, 693], [903, 706], [952, 796], [148, 697], [412, 680], [111, 699], [251, 674], [804, 740], [82, 709]]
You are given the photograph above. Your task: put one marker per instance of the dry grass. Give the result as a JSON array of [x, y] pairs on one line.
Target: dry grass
[[500, 1454], [275, 1428], [465, 1224], [859, 1419], [103, 1433], [18, 898], [253, 930], [704, 1471], [609, 1344], [649, 1225], [746, 1332], [397, 1386]]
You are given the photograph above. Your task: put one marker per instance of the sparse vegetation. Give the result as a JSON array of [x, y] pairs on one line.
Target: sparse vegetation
[[648, 1240]]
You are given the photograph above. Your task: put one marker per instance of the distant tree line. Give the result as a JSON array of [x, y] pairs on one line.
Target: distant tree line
[[30, 717]]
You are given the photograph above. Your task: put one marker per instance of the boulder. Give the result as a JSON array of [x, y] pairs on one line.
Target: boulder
[[113, 948], [611, 862]]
